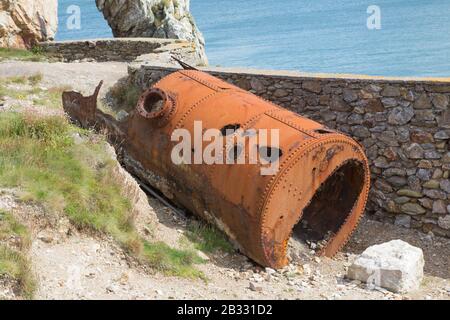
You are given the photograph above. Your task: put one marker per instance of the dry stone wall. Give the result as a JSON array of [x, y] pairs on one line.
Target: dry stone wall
[[403, 124], [121, 49]]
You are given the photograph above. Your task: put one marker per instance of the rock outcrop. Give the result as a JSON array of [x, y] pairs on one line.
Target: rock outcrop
[[24, 23], [156, 19]]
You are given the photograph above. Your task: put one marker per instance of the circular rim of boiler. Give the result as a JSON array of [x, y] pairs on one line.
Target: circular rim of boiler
[[350, 222]]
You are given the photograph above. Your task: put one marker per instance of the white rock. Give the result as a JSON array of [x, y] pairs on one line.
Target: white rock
[[270, 271], [202, 255], [24, 23], [395, 265]]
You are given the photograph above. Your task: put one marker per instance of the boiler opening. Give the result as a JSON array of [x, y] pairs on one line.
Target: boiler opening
[[330, 206], [154, 102]]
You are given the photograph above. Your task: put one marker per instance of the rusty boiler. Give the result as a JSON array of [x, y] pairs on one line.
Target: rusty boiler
[[318, 192]]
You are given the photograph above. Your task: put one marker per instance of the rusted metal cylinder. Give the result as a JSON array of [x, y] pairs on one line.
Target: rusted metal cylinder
[[323, 177], [319, 191]]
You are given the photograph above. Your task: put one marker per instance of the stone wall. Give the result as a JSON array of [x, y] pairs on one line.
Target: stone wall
[[403, 124], [118, 49]]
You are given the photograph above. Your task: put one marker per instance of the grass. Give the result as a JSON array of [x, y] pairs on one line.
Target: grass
[[125, 95], [39, 156], [10, 227], [50, 98], [14, 263], [207, 238], [173, 262], [34, 55]]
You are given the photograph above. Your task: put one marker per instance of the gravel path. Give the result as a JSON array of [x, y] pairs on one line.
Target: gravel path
[[83, 76]]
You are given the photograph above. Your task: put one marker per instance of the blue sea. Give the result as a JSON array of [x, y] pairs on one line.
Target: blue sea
[[329, 36]]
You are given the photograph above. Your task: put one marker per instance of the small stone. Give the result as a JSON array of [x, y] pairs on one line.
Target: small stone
[[423, 102], [338, 104], [312, 86], [361, 132], [439, 207], [349, 95], [444, 222], [381, 162], [255, 287], [111, 288], [445, 185], [424, 174], [202, 255], [437, 174], [432, 184], [389, 102], [307, 269], [435, 194], [395, 265], [374, 106], [409, 193], [397, 181], [270, 271], [257, 85], [390, 91], [401, 200], [383, 186], [280, 93], [442, 135], [412, 209], [425, 164], [45, 237], [414, 151], [440, 101], [403, 220], [432, 154], [426, 203], [420, 136]]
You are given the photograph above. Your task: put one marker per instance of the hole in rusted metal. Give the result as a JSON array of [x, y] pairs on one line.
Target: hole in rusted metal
[[323, 131], [270, 154], [331, 204], [230, 129], [154, 102]]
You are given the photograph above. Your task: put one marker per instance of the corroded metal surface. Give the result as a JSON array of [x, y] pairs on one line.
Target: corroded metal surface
[[318, 193]]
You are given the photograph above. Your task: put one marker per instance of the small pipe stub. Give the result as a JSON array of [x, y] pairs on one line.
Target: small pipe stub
[[154, 104]]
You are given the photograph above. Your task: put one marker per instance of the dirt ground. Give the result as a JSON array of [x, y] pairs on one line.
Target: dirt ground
[[82, 77], [81, 266]]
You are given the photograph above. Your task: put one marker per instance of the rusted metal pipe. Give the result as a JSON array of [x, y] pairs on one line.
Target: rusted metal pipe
[[323, 178]]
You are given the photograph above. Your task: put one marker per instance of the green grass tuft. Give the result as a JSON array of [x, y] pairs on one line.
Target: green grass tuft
[[208, 238], [14, 263], [173, 262], [125, 95], [10, 227], [35, 55]]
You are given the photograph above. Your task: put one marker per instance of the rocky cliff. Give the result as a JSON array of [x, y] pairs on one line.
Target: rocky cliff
[[154, 18], [24, 23]]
